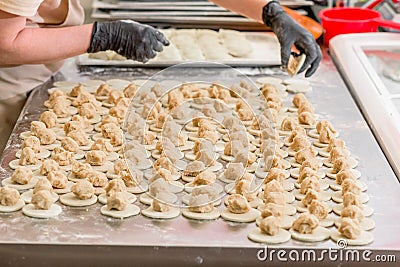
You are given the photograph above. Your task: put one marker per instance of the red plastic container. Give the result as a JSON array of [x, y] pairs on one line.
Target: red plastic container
[[352, 20]]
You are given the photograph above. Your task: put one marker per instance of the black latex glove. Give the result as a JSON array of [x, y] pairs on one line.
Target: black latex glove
[[289, 32], [128, 38]]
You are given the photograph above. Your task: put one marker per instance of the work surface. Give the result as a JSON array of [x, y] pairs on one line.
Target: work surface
[[141, 239]]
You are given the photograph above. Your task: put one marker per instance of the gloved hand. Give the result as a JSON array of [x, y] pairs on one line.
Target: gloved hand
[[128, 38], [289, 32]]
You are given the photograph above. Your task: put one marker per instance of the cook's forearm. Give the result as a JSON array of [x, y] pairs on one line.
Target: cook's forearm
[[248, 8], [21, 45]]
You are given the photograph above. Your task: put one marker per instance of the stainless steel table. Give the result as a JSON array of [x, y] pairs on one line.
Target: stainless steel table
[[82, 236]]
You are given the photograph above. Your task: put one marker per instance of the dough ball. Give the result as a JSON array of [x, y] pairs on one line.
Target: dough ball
[[200, 203], [77, 90], [32, 142], [305, 223], [204, 178], [325, 135], [288, 124], [57, 179], [79, 136], [343, 175], [273, 186], [8, 196], [202, 144], [118, 111], [275, 174], [352, 212], [274, 197], [48, 166], [305, 107], [158, 186], [21, 175], [310, 183], [172, 131], [120, 166], [102, 145], [352, 199], [297, 131], [234, 171], [319, 209], [28, 157], [350, 228], [350, 185], [96, 157], [334, 142], [164, 163], [103, 90], [42, 199], [325, 125], [72, 126], [133, 178], [299, 143], [272, 209], [159, 206], [88, 110], [337, 152], [194, 168], [83, 189], [117, 201], [69, 144], [84, 122], [131, 89], [270, 225], [80, 170], [109, 119], [304, 154], [299, 99], [340, 164], [61, 156], [306, 118], [43, 184], [311, 163], [114, 186], [36, 126], [82, 98], [305, 173], [237, 204], [98, 179]]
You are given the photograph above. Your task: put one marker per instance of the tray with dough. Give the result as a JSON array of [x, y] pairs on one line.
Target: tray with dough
[[264, 50], [142, 240]]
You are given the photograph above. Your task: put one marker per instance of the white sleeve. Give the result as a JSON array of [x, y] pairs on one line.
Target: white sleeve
[[20, 7]]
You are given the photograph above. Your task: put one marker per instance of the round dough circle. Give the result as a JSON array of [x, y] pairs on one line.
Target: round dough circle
[[53, 211], [171, 213], [129, 211], [257, 236], [102, 198], [247, 217], [287, 221], [20, 203], [14, 164], [364, 239], [213, 215], [70, 199], [319, 234], [27, 196], [20, 187]]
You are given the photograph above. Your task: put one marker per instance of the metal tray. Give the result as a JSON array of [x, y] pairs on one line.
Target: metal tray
[[266, 52], [83, 237]]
